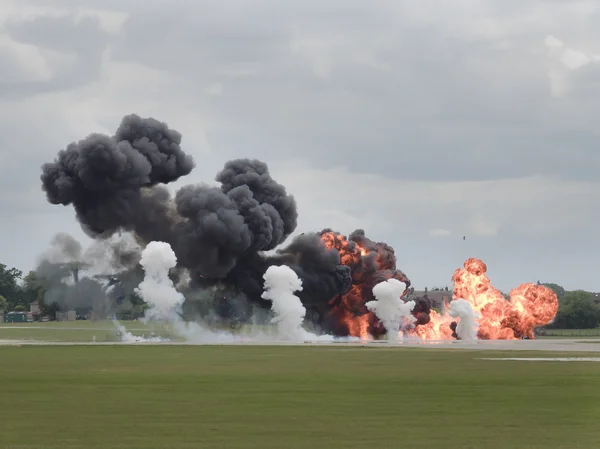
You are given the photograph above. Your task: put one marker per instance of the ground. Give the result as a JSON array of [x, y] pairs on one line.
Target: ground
[[75, 331], [105, 331], [262, 397]]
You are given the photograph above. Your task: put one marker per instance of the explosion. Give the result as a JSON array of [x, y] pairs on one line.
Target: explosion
[[529, 306], [394, 313], [370, 263], [217, 239]]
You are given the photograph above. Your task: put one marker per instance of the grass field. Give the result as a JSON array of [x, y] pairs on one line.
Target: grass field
[[75, 331], [292, 397], [86, 331], [572, 333]]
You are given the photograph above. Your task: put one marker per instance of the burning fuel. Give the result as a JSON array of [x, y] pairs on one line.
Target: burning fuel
[[215, 241], [528, 306]]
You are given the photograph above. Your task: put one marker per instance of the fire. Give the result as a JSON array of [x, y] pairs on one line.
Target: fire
[[500, 318], [438, 328], [370, 263], [529, 306]]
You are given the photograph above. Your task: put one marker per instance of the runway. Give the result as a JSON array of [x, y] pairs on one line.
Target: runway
[[556, 345]]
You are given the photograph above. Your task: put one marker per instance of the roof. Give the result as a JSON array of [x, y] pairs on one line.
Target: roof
[[437, 296]]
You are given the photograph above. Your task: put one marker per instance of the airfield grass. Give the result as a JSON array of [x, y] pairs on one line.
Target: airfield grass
[[104, 330], [269, 397], [571, 333], [76, 331]]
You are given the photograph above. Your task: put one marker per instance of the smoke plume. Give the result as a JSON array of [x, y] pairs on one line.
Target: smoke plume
[[281, 282], [390, 309], [467, 326], [157, 288], [219, 234]]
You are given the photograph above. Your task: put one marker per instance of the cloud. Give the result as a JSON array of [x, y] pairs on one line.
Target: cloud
[[475, 120], [566, 60]]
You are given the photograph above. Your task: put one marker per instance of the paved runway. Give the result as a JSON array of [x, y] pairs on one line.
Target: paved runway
[[557, 345]]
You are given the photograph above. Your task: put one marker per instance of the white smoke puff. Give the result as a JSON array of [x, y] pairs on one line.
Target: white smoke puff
[[128, 337], [467, 326], [389, 308], [157, 289], [281, 282]]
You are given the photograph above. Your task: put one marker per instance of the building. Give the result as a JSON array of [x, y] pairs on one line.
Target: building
[[15, 317], [34, 307], [437, 297]]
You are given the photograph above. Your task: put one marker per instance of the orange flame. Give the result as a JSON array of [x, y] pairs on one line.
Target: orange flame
[[530, 306], [371, 263]]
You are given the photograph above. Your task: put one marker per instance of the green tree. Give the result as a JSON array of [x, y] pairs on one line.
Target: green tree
[[9, 285], [32, 288], [577, 310], [558, 289], [3, 302]]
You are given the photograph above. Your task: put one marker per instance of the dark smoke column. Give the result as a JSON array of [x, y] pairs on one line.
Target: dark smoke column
[[113, 184], [219, 234], [248, 214], [105, 178]]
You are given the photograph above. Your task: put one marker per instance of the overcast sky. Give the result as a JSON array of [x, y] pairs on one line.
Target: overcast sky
[[418, 121]]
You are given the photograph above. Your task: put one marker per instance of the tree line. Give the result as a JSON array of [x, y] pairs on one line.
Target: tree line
[[578, 309], [19, 291]]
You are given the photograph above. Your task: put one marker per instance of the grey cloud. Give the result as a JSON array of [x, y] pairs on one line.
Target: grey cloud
[[82, 39], [478, 110], [449, 93]]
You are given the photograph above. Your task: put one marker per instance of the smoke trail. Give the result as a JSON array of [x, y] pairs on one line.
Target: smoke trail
[[467, 326], [281, 282], [389, 308]]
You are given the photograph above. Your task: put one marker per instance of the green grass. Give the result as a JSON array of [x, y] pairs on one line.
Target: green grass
[[571, 333], [86, 331], [75, 331], [292, 397]]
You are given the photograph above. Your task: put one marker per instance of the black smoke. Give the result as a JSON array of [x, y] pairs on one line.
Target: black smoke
[[220, 234]]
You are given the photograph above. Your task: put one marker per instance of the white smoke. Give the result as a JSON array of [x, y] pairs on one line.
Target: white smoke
[[165, 303], [128, 337], [390, 309], [163, 299], [281, 282], [157, 289], [467, 326]]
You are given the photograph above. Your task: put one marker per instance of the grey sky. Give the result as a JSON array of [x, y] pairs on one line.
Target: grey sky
[[420, 122]]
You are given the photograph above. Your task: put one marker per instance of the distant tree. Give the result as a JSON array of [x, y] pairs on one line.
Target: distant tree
[[559, 290], [577, 310], [9, 285], [19, 308], [32, 288], [3, 302]]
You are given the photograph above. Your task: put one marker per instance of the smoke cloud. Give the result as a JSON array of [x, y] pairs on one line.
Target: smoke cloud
[[157, 288], [390, 309], [467, 326], [219, 234], [281, 282]]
